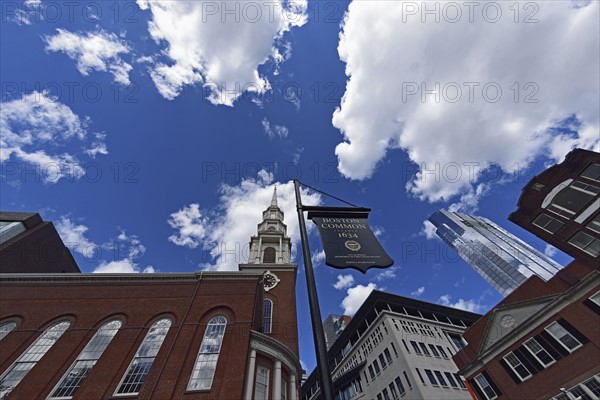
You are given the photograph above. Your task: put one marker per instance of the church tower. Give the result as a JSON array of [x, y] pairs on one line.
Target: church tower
[[270, 253]]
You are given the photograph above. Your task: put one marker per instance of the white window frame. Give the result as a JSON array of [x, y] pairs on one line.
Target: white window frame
[[584, 248], [28, 357], [268, 370], [87, 349], [270, 317], [595, 298], [547, 329], [476, 379], [7, 327], [514, 367], [534, 354], [217, 320], [138, 356]]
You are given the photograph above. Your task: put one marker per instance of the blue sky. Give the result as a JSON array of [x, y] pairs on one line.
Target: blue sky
[[152, 133]]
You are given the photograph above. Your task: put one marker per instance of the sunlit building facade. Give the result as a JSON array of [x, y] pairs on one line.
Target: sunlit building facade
[[501, 258], [396, 347], [203, 335]]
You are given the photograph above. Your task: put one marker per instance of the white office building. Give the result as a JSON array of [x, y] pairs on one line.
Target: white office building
[[396, 347]]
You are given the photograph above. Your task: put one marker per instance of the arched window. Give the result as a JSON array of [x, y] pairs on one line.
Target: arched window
[[16, 372], [142, 362], [86, 360], [267, 315], [269, 255], [6, 327], [206, 363]]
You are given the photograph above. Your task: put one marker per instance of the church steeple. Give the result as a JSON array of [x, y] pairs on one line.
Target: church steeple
[[271, 245]]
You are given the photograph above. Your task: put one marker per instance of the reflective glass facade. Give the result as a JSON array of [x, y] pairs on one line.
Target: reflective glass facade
[[502, 259]]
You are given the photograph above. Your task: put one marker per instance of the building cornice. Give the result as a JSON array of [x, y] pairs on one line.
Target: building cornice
[[124, 278], [273, 347]]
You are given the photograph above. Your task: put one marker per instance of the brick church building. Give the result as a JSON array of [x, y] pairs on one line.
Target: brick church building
[[204, 335]]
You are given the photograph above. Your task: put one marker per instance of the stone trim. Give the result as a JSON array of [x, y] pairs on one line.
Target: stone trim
[[267, 345]]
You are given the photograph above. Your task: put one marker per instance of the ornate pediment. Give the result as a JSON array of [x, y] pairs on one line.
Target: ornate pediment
[[506, 320]]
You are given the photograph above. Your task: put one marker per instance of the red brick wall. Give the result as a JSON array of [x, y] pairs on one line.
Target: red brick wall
[[190, 304]]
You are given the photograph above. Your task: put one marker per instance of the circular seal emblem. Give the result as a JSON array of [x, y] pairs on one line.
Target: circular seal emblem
[[507, 321], [352, 245]]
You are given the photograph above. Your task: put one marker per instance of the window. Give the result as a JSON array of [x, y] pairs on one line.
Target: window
[[284, 389], [6, 327], [457, 340], [386, 396], [144, 358], [593, 386], [16, 372], [420, 376], [407, 380], [548, 223], [376, 366], [485, 387], [596, 298], [86, 360], [379, 397], [382, 360], [440, 378], [431, 377], [404, 342], [517, 366], [267, 315], [565, 338], [261, 391], [539, 352], [393, 391], [592, 172], [572, 199], [394, 348], [400, 386], [415, 347], [442, 352], [388, 355], [579, 393], [206, 363], [424, 349], [587, 243], [10, 229], [434, 351], [460, 381], [451, 379], [269, 255], [594, 224]]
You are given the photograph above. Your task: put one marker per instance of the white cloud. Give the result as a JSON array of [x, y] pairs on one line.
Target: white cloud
[[34, 127], [73, 236], [388, 273], [126, 249], [428, 230], [344, 281], [318, 257], [190, 226], [355, 297], [225, 232], [550, 250], [389, 52], [418, 292], [274, 130], [467, 305], [206, 45], [93, 51]]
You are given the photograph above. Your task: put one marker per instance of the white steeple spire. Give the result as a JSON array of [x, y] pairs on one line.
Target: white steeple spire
[[274, 199]]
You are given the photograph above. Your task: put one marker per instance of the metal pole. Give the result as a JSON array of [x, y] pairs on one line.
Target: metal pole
[[315, 312]]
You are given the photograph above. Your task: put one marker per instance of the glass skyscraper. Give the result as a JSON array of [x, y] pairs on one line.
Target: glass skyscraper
[[501, 258]]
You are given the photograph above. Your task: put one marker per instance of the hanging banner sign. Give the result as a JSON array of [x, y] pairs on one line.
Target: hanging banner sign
[[349, 242]]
